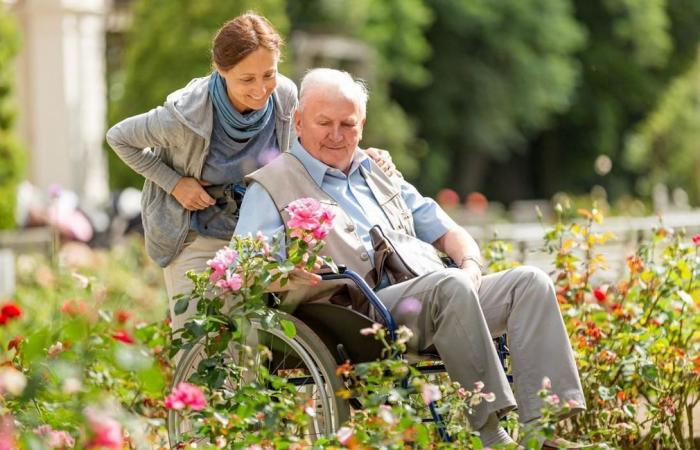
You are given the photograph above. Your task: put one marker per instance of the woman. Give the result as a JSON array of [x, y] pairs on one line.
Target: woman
[[201, 143]]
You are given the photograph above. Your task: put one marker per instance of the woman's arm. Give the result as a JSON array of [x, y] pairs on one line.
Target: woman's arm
[[133, 139]]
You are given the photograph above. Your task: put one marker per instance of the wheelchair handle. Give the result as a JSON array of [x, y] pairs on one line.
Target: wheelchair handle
[[346, 274]]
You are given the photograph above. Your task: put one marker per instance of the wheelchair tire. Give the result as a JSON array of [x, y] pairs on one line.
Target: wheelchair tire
[[310, 355]]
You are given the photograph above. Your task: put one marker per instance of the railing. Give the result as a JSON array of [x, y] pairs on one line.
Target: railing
[[527, 238]]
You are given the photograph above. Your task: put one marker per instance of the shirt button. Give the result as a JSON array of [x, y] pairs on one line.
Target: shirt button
[[364, 256], [350, 227]]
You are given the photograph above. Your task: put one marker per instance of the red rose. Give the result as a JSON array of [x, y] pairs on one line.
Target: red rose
[[122, 316], [600, 294], [123, 336], [11, 310], [696, 240]]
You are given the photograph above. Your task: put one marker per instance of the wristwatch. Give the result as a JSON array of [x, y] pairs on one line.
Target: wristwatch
[[473, 259]]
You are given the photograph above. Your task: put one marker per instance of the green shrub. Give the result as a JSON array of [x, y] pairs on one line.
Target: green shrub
[[12, 158]]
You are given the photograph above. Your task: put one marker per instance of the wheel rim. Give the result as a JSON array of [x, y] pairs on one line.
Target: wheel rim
[[292, 360]]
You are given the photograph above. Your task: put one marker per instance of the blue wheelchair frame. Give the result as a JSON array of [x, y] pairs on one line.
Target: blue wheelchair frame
[[390, 325]]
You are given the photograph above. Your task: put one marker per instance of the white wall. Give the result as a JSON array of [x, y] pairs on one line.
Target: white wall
[[61, 93]]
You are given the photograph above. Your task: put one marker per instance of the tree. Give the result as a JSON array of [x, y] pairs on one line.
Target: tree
[[500, 71], [12, 157], [169, 43], [666, 146], [634, 49]]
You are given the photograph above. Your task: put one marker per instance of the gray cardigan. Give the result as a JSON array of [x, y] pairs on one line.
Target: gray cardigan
[[172, 141]]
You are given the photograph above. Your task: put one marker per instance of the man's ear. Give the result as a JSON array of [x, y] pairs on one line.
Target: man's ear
[[362, 128], [297, 122]]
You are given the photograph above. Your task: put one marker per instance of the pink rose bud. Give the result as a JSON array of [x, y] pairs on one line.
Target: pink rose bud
[[186, 395]]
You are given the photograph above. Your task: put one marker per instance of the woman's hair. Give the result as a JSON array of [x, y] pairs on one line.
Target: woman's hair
[[241, 36]]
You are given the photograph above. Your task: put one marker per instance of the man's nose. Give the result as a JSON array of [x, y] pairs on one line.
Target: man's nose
[[335, 134]]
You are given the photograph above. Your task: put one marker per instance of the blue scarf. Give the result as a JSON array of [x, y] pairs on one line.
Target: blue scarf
[[237, 126]]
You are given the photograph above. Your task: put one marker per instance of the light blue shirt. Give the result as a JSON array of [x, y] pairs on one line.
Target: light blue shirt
[[258, 211]]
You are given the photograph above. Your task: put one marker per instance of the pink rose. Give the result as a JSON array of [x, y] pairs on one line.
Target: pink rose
[[55, 438], [7, 433], [186, 395], [223, 259], [231, 282], [304, 213], [106, 431], [344, 434], [696, 240], [430, 393]]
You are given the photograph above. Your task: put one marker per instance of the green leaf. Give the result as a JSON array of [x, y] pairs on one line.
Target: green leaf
[[34, 346], [286, 266], [650, 372], [152, 380], [605, 393], [288, 327], [181, 305], [195, 327]]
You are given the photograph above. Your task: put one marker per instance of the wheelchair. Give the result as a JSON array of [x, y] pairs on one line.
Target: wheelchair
[[327, 335]]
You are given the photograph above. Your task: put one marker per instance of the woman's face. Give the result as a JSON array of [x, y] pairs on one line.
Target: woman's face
[[250, 82]]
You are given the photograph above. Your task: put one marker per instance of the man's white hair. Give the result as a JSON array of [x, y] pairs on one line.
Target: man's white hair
[[334, 83]]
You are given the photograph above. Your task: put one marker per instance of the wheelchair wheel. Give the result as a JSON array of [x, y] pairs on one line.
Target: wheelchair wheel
[[303, 360]]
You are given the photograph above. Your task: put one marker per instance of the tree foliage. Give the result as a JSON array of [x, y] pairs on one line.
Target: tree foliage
[[667, 144], [500, 71], [169, 43], [12, 158], [633, 51]]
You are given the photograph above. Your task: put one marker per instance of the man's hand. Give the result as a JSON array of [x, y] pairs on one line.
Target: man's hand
[[384, 161], [474, 272], [191, 195], [297, 278]]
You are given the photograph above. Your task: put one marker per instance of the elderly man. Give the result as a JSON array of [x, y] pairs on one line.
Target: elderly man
[[453, 309]]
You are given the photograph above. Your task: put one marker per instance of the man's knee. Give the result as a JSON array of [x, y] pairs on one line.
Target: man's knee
[[455, 285], [537, 283], [534, 276]]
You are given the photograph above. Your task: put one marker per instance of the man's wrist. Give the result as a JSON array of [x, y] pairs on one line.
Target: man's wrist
[[471, 259]]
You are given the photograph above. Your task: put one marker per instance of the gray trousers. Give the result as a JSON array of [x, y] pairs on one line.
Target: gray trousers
[[443, 309]]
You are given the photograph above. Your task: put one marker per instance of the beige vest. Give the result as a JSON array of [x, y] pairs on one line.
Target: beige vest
[[286, 179]]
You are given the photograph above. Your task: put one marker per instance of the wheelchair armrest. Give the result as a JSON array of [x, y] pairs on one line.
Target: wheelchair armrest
[[347, 274], [326, 270]]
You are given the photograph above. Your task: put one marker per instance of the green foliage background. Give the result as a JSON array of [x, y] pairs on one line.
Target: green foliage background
[[12, 157], [515, 99]]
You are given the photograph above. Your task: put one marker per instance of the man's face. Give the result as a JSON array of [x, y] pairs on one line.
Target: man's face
[[330, 128]]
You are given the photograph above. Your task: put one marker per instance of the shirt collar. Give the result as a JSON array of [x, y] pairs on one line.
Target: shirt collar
[[318, 170]]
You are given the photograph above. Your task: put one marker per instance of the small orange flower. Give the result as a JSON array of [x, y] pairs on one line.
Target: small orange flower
[[635, 264], [344, 369]]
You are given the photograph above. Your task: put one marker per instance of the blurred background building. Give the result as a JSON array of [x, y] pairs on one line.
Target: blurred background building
[[61, 94]]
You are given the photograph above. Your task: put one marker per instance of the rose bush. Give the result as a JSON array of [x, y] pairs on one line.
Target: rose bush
[[86, 354]]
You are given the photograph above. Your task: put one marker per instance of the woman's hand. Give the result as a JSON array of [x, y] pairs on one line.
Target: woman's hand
[[191, 195], [298, 277], [384, 161]]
